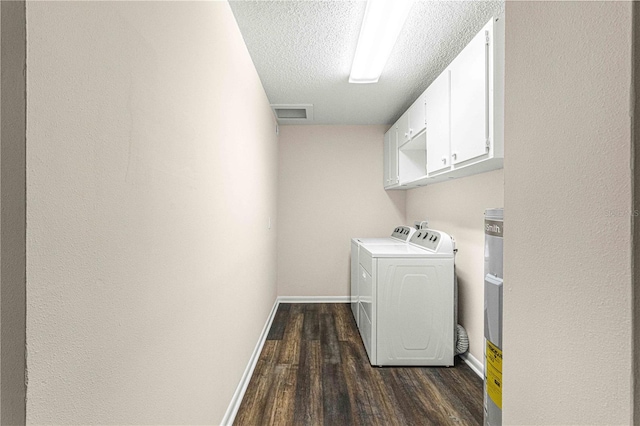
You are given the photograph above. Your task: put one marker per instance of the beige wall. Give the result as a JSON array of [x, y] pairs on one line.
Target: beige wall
[[567, 301], [151, 163], [330, 189], [12, 217], [457, 207]]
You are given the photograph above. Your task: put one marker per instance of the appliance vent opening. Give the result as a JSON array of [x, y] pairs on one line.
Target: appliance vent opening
[[291, 113]]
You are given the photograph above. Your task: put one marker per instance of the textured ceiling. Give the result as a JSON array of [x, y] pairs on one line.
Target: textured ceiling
[[303, 51]]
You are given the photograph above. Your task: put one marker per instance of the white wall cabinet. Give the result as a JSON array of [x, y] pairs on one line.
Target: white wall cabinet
[[390, 156], [455, 128], [417, 117], [412, 152], [470, 99], [438, 126], [403, 129]]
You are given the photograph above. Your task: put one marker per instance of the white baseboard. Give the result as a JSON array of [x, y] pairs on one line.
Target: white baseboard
[[473, 362], [314, 299], [236, 399]]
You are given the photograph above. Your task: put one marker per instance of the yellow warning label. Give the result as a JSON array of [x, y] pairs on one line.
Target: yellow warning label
[[494, 356], [493, 374]]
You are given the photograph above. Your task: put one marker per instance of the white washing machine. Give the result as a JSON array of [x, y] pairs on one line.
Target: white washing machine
[[400, 235], [406, 304]]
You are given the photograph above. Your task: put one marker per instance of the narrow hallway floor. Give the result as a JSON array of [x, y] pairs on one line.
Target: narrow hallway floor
[[313, 370]]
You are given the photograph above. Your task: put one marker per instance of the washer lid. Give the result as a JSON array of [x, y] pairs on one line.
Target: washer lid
[[378, 241], [403, 250]]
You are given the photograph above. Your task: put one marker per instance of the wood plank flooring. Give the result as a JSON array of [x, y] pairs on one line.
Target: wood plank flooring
[[313, 370]]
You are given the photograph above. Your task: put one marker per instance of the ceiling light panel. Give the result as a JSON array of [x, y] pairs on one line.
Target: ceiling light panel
[[382, 23]]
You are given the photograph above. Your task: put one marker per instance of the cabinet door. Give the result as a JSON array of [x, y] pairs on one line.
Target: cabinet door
[[417, 117], [390, 156], [393, 156], [469, 100], [437, 111], [403, 129], [386, 159]]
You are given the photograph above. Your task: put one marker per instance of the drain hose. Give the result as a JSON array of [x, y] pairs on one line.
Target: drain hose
[[462, 340]]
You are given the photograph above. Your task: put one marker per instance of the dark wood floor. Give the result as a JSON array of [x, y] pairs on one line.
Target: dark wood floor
[[313, 370]]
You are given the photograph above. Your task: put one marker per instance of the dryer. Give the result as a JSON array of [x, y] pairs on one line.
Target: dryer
[[406, 304], [400, 235]]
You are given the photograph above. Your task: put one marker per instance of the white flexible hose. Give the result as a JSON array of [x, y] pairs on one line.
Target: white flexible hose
[[462, 340]]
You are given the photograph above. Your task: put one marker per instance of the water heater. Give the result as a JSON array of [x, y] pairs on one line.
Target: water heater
[[493, 239]]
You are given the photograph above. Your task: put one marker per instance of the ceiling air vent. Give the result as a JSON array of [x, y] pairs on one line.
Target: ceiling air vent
[[292, 114]]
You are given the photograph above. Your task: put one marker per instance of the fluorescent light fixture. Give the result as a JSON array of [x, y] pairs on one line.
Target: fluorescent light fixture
[[383, 21]]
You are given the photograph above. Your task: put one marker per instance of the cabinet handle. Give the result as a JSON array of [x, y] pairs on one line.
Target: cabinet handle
[[444, 160], [454, 155], [406, 135], [410, 131]]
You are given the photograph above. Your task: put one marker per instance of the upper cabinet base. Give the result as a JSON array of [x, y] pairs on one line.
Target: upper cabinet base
[[480, 167]]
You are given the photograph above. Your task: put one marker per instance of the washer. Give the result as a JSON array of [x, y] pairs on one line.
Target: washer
[[406, 303], [400, 235]]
